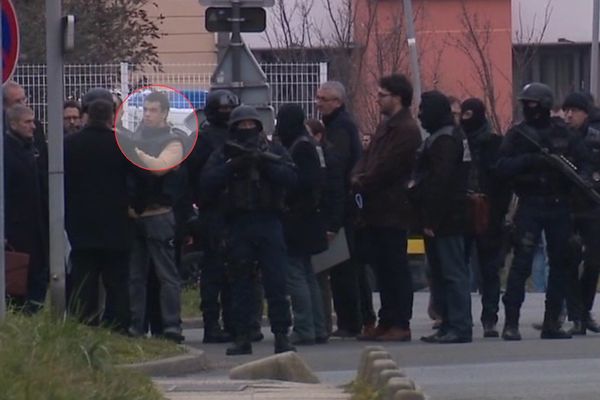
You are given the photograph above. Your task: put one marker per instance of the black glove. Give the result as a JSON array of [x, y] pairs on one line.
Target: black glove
[[536, 160], [242, 163]]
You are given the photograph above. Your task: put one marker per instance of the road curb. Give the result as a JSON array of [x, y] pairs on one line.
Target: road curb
[[377, 369], [194, 360]]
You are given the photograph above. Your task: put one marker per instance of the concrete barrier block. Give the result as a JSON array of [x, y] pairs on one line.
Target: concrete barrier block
[[371, 358], [377, 367], [386, 374], [395, 385], [283, 367], [362, 364]]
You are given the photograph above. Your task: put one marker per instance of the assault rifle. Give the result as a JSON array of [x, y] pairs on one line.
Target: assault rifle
[[235, 149], [562, 164]]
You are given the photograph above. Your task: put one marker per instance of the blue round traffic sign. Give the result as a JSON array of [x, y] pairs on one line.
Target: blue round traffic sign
[[10, 39]]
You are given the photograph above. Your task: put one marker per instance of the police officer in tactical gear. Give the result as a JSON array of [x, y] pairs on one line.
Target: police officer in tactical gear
[[209, 230], [581, 116], [543, 193], [249, 175]]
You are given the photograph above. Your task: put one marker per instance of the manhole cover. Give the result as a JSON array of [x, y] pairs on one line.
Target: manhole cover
[[205, 387]]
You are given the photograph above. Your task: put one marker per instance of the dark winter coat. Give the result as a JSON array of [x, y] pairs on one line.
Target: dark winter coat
[[342, 133], [382, 173], [439, 194], [304, 222], [334, 196], [484, 146], [95, 190], [26, 226]]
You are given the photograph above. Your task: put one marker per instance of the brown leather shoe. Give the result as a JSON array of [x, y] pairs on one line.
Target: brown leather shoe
[[395, 334], [371, 333]]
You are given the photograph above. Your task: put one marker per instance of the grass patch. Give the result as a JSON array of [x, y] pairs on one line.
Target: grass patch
[[361, 390], [45, 359], [190, 302]]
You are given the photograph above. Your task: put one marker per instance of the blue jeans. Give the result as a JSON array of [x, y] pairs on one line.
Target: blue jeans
[[307, 304], [450, 280], [539, 271]]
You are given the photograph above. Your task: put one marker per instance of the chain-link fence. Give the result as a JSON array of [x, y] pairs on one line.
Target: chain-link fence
[[290, 83]]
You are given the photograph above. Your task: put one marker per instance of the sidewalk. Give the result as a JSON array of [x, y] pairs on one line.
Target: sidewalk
[[213, 389]]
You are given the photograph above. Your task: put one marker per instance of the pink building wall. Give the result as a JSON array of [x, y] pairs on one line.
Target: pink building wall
[[439, 27]]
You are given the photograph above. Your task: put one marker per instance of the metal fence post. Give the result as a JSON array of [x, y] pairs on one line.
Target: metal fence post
[[124, 79], [323, 72]]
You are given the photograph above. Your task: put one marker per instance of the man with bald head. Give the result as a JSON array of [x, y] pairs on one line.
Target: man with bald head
[[25, 217]]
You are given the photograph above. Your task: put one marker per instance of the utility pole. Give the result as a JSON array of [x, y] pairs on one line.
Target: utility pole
[[412, 47], [594, 56], [2, 233], [54, 60]]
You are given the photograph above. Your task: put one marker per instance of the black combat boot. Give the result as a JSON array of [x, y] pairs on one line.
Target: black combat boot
[[552, 329], [214, 334], [282, 343], [241, 345], [511, 325], [489, 330]]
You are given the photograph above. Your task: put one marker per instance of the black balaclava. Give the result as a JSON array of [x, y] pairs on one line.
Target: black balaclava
[[538, 116], [435, 111], [290, 124], [478, 118], [246, 137]]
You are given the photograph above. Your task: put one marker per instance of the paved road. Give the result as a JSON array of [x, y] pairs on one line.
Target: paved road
[[484, 370]]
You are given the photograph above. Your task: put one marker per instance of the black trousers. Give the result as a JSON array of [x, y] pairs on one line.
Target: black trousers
[[534, 215], [491, 261], [87, 267], [345, 288], [583, 288], [390, 261]]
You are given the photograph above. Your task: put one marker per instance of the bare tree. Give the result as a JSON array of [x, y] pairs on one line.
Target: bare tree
[[527, 44], [475, 43], [292, 28]]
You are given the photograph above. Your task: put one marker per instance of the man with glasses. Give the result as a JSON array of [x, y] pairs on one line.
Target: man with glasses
[[380, 178], [342, 133]]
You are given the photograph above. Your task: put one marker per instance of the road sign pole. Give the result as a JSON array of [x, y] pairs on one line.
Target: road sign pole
[[236, 43], [54, 60], [2, 237]]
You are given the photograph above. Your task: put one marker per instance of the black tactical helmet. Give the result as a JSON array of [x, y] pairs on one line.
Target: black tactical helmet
[[216, 99], [539, 93], [93, 95], [243, 113]]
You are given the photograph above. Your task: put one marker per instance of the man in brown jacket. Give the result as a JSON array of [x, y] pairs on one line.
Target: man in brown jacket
[[380, 179]]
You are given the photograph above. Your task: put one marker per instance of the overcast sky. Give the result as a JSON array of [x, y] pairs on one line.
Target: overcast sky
[[569, 19]]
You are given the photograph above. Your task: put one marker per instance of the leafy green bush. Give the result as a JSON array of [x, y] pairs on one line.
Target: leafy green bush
[[45, 359]]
